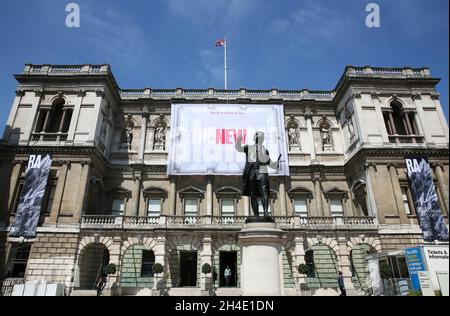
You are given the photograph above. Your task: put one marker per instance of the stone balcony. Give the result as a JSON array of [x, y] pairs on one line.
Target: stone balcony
[[102, 222]]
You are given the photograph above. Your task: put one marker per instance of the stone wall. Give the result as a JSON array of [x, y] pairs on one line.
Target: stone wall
[[52, 258]]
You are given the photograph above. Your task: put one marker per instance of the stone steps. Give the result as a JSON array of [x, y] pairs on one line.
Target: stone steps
[[89, 293], [228, 291], [184, 291]]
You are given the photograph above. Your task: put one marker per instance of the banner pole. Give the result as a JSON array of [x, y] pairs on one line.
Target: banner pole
[[226, 81]]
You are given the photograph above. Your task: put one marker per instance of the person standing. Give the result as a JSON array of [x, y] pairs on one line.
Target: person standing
[[340, 280], [227, 275]]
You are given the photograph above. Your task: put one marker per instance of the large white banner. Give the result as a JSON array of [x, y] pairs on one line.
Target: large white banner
[[203, 137]]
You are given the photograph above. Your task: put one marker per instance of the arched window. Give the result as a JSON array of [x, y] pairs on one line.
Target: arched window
[[54, 120], [400, 124]]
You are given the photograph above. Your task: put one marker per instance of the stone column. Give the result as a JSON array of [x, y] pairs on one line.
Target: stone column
[[396, 189], [371, 204], [76, 114], [282, 190], [17, 169], [143, 133], [84, 178], [318, 196], [160, 256], [261, 266], [308, 118], [136, 193], [209, 196], [59, 192], [246, 202], [63, 120], [344, 264], [206, 257], [172, 196], [443, 185], [299, 258]]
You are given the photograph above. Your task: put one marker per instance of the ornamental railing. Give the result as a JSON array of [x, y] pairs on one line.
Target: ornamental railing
[[219, 222]]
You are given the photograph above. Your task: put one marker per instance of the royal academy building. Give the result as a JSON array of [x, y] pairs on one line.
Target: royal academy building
[[109, 199]]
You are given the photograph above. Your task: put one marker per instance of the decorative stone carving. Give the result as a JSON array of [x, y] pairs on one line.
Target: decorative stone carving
[[100, 93], [325, 132], [293, 134], [20, 93], [103, 130], [81, 93], [129, 126], [159, 140]]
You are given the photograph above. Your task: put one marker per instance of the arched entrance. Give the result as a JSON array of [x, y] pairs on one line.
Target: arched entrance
[[93, 259], [359, 265], [321, 262]]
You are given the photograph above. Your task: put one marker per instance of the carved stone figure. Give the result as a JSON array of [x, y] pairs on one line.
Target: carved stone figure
[[160, 137], [129, 131], [326, 140], [293, 136]]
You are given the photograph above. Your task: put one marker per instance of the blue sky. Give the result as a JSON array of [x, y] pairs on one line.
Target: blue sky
[[287, 44]]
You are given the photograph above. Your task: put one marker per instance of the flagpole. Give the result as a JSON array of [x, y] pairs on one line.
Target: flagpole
[[226, 81]]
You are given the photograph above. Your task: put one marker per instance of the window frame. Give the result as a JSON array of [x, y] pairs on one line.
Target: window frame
[[301, 193], [118, 197]]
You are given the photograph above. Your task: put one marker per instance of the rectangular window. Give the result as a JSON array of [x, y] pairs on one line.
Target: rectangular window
[[153, 208], [148, 259], [18, 259], [406, 200], [50, 198], [17, 197], [190, 207], [227, 207], [336, 207], [118, 207], [301, 207]]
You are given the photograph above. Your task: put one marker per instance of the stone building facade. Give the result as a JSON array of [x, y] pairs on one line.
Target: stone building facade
[[109, 199]]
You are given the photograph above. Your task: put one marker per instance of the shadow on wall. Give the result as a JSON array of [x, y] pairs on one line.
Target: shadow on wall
[[10, 137]]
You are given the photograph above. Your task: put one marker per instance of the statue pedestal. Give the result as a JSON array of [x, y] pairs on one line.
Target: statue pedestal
[[261, 262]]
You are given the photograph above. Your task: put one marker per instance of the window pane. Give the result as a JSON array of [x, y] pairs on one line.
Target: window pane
[[336, 207], [118, 206], [227, 207], [51, 197], [148, 259], [154, 208], [405, 200], [300, 208], [190, 207]]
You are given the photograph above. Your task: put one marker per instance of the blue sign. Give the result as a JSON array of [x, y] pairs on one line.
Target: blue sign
[[415, 263]]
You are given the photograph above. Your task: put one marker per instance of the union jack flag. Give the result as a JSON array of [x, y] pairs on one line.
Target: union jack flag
[[220, 43]]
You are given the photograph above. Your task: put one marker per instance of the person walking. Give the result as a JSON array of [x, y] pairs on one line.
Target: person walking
[[227, 275], [340, 280]]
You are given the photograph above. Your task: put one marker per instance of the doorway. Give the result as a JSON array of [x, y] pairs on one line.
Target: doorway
[[188, 268], [228, 259]]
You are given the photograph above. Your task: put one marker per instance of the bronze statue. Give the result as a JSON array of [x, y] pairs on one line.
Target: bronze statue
[[255, 179]]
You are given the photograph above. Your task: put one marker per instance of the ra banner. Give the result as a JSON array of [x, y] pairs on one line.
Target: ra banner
[[426, 203], [30, 202], [203, 137]]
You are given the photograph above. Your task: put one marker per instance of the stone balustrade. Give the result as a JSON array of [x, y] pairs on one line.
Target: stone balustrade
[[218, 222]]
